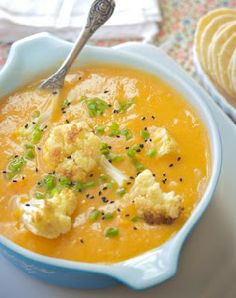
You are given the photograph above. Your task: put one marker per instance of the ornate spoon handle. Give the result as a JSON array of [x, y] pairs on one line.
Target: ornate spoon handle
[[100, 12]]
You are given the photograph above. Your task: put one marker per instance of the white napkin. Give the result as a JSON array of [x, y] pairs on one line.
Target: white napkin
[[132, 19]]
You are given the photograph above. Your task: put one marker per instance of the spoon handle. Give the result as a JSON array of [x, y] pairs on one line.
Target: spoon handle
[[99, 13]]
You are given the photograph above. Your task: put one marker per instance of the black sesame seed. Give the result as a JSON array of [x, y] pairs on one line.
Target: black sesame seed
[[92, 197], [104, 188], [180, 179], [27, 205], [153, 117], [23, 177], [106, 91], [135, 228], [145, 128], [131, 177], [143, 118], [118, 209], [36, 170], [164, 174], [150, 140], [109, 147], [54, 92], [171, 165], [82, 241], [4, 172], [91, 175], [69, 157], [154, 175], [179, 158], [138, 150], [33, 123], [109, 105], [38, 148], [126, 215], [126, 148], [112, 202], [164, 180], [118, 137], [67, 121], [104, 199], [16, 156], [15, 181], [87, 195], [141, 145], [128, 183], [26, 125], [100, 193]]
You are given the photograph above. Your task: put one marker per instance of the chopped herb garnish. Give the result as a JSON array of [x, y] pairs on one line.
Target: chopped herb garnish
[[108, 215], [49, 182], [99, 129], [111, 232], [15, 166], [37, 134], [104, 178], [145, 134], [65, 181], [136, 218], [96, 106], [115, 131], [39, 196], [65, 103], [152, 152], [95, 214], [125, 105], [81, 186], [120, 191]]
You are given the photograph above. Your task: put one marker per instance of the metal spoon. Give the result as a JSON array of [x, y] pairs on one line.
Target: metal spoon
[[100, 12]]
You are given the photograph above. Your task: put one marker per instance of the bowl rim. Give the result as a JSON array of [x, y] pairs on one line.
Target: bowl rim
[[116, 270]]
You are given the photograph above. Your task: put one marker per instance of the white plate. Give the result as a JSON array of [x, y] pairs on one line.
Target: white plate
[[208, 260]]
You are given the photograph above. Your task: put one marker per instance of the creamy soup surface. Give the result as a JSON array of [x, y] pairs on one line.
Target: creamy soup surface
[[138, 126]]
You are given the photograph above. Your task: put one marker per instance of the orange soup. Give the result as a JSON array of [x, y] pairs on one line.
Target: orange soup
[[104, 170]]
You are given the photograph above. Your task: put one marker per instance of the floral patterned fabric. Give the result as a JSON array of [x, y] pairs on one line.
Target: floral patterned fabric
[[177, 28]]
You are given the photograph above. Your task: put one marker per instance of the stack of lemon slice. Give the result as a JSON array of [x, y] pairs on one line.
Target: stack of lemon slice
[[215, 44]]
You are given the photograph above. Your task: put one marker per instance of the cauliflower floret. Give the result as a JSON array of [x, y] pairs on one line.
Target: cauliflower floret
[[162, 141], [154, 205], [72, 150], [50, 217]]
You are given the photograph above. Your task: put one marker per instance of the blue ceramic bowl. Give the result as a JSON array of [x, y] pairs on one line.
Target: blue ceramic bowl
[[28, 60]]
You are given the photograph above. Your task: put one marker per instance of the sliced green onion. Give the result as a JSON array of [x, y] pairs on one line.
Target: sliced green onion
[[152, 152], [65, 181], [95, 214], [99, 129], [145, 134], [105, 149], [104, 178], [65, 103], [114, 129], [136, 218], [30, 154], [111, 232], [109, 215], [131, 152], [125, 105], [95, 106], [15, 166], [120, 191], [138, 165], [49, 182], [88, 184], [127, 133], [81, 186], [37, 134], [39, 196]]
